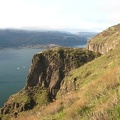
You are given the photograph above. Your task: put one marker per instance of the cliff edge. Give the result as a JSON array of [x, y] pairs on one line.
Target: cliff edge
[[107, 40]]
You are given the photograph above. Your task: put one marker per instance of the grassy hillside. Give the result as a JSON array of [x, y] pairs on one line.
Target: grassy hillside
[[91, 92]]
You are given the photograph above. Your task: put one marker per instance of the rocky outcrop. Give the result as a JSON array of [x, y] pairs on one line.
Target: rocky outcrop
[[50, 67], [102, 47], [106, 40], [47, 71]]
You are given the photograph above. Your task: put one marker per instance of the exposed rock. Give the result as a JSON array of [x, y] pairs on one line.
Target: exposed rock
[[47, 71], [106, 40], [15, 114], [50, 67]]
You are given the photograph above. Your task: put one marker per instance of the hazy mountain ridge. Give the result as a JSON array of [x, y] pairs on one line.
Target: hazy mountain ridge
[[17, 38], [88, 35]]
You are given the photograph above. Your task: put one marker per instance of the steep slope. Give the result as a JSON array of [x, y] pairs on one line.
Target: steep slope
[[96, 89], [106, 40], [47, 71], [91, 92]]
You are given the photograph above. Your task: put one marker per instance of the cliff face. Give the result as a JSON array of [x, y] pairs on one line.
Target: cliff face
[[106, 40], [47, 71], [50, 67]]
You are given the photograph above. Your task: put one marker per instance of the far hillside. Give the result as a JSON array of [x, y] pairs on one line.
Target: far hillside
[[87, 35], [23, 38]]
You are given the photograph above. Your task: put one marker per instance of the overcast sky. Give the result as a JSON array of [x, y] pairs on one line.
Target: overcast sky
[[92, 15]]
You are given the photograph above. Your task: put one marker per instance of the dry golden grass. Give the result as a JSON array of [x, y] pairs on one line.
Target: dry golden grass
[[97, 94], [52, 108], [26, 117], [99, 91], [98, 87], [94, 100], [103, 109], [75, 109]]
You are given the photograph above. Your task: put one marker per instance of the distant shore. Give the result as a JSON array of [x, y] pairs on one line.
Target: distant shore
[[40, 46]]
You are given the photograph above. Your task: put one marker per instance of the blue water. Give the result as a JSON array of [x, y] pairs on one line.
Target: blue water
[[14, 66]]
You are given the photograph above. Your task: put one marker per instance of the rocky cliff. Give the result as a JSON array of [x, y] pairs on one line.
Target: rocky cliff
[[50, 67], [106, 40], [47, 71]]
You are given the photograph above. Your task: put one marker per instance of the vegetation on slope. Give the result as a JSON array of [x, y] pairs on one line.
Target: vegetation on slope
[[108, 36], [47, 71], [96, 96], [106, 40]]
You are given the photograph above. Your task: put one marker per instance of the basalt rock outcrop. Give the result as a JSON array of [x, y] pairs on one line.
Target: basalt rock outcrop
[[50, 67], [47, 71], [107, 40]]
